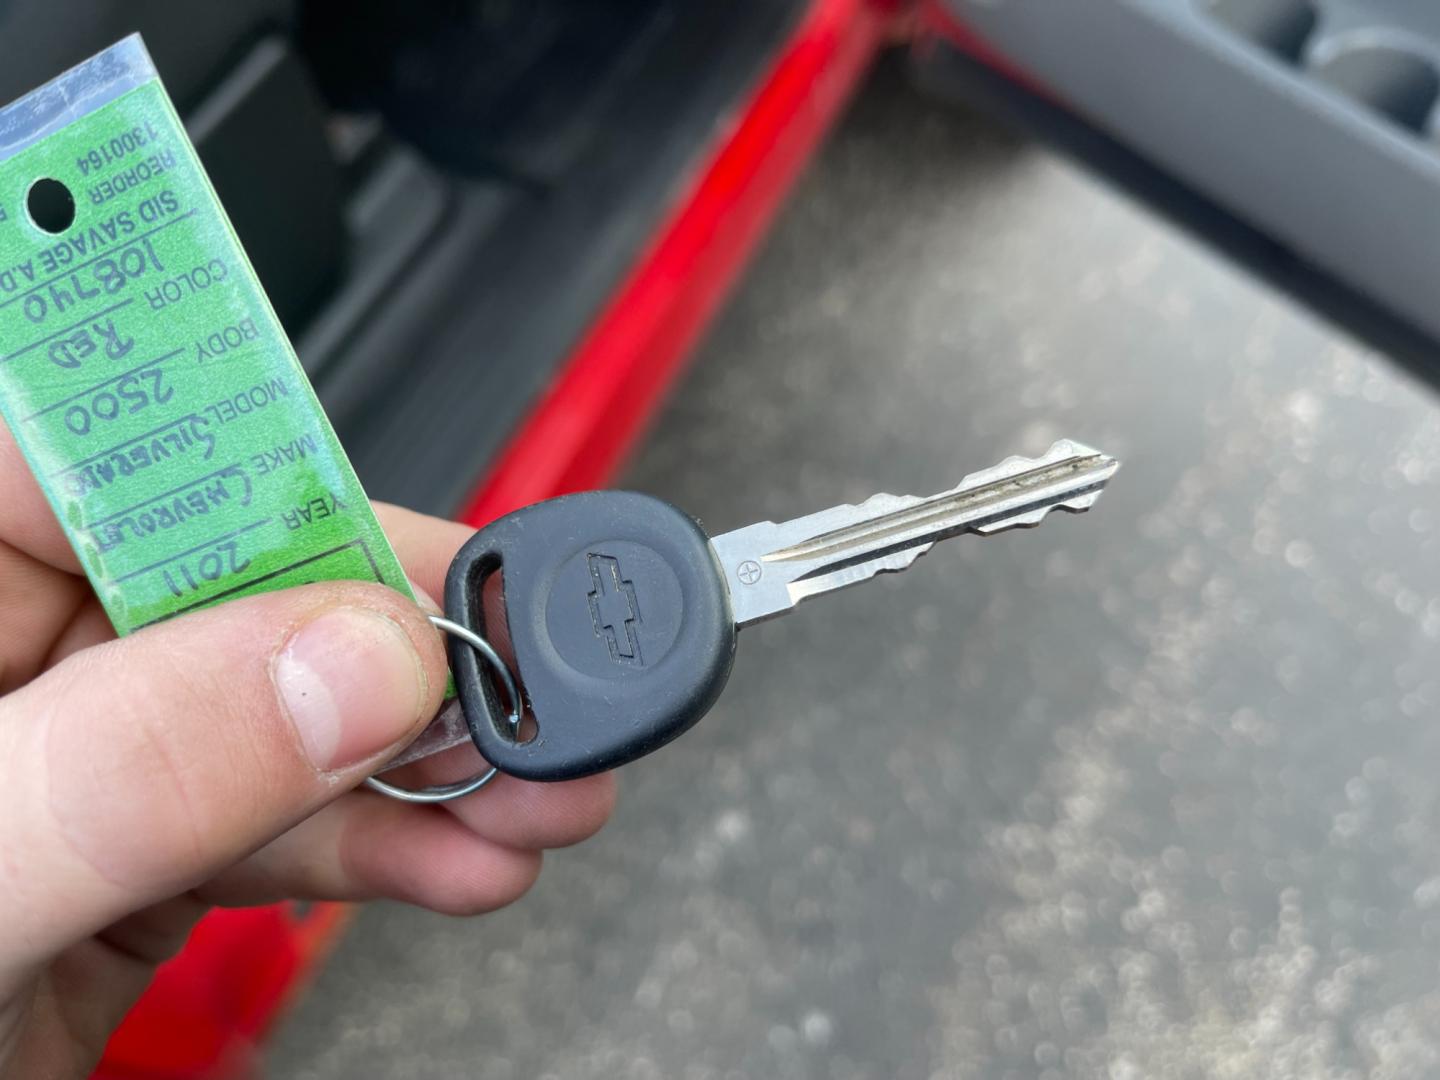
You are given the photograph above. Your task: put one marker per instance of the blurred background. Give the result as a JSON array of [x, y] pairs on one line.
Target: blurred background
[[1146, 793], [1149, 792]]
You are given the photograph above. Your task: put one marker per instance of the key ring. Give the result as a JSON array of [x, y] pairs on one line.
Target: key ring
[[439, 793]]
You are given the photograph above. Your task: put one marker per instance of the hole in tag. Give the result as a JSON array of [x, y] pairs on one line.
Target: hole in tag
[[51, 205]]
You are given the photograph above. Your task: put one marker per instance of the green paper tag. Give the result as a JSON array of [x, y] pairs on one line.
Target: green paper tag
[[142, 370]]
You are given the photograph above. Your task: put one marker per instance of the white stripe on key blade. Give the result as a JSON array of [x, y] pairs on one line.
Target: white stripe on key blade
[[770, 568]]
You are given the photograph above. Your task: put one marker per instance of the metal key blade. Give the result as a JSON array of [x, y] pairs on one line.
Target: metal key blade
[[770, 568]]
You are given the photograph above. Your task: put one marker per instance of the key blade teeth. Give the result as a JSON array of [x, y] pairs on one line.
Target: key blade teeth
[[1031, 518], [1066, 470], [1061, 451], [1080, 505], [1019, 521], [1093, 471], [770, 568]]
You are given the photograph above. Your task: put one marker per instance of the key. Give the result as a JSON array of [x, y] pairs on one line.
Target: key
[[623, 614]]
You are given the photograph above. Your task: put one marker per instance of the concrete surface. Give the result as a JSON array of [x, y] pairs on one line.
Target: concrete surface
[[1148, 793]]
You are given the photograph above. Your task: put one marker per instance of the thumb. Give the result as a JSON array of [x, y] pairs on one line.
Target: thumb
[[136, 769]]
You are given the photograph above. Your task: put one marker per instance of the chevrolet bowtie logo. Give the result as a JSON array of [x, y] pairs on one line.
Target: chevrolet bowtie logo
[[613, 610]]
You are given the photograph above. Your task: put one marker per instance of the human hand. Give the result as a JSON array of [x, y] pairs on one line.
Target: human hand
[[210, 760]]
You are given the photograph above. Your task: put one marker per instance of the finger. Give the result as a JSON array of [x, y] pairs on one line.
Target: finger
[[140, 767], [364, 847], [425, 544], [154, 934], [525, 814], [518, 813], [37, 604], [89, 988], [90, 626], [26, 520]]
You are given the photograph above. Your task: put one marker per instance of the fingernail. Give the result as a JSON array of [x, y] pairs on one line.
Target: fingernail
[[353, 685]]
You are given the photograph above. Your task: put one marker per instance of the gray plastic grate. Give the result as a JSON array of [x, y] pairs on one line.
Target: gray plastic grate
[[1315, 121]]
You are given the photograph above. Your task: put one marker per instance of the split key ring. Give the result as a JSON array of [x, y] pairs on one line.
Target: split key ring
[[439, 793]]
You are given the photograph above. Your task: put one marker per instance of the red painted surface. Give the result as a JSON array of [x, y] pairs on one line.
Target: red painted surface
[[208, 1010], [598, 407]]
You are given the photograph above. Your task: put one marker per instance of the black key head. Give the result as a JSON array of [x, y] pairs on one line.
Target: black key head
[[620, 623]]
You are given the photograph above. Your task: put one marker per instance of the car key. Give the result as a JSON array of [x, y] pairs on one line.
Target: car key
[[623, 613]]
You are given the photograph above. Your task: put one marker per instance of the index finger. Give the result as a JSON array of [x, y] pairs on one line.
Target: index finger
[[26, 520], [425, 544]]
